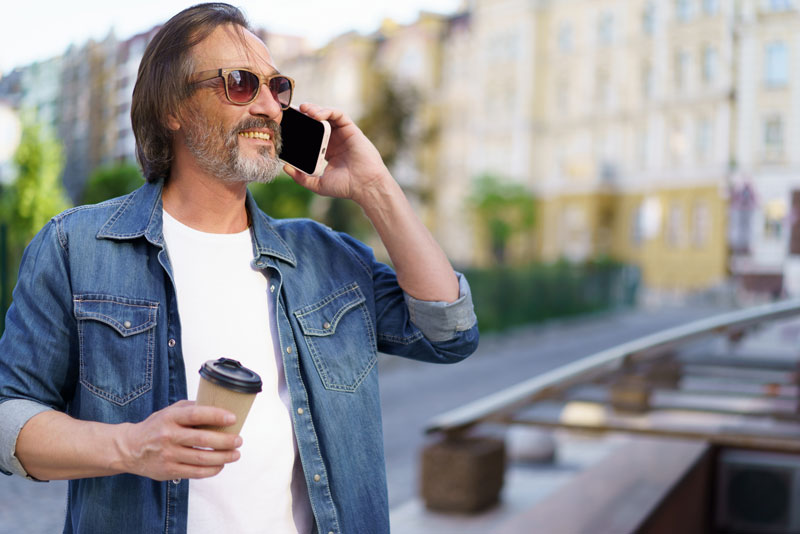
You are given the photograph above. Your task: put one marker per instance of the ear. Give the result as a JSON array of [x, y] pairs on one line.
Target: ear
[[173, 123]]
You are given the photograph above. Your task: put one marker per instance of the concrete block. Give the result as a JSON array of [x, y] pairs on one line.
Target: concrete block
[[462, 475]]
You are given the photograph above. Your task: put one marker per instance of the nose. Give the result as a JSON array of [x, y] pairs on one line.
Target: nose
[[266, 104]]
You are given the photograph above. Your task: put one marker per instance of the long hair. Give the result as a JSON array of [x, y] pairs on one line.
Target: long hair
[[163, 80]]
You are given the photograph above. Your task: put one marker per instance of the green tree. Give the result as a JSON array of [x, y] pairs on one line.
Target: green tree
[[387, 115], [37, 193], [282, 198], [111, 181], [30, 201], [503, 209]]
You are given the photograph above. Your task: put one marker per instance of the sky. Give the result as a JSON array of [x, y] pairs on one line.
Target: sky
[[36, 29]]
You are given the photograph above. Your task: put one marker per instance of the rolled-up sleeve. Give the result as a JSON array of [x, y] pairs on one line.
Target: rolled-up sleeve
[[38, 344], [441, 321], [14, 414]]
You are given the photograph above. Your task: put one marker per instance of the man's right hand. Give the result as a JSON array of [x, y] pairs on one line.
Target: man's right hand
[[166, 446]]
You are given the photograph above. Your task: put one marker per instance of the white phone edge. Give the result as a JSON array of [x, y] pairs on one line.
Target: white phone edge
[[319, 168]]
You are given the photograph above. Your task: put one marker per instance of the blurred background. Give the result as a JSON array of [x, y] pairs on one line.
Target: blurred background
[[571, 156], [623, 150]]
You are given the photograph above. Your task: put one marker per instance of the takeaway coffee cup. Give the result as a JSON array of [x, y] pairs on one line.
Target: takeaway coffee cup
[[226, 383]]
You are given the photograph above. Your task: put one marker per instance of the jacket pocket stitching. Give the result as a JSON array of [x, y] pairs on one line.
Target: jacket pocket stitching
[[314, 335], [148, 327]]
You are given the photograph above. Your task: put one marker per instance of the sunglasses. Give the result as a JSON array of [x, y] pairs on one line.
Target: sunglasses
[[242, 86]]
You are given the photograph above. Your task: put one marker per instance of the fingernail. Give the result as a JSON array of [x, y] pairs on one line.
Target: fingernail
[[238, 442], [230, 419]]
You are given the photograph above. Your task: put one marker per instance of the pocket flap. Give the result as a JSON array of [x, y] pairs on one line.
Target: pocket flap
[[126, 316], [321, 318]]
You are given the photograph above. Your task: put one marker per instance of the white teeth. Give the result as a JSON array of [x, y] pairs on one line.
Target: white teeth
[[255, 135]]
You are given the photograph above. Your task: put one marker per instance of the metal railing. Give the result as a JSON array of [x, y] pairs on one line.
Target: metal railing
[[506, 406]]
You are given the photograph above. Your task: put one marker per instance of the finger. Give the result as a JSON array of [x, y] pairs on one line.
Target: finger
[[309, 182], [208, 439], [202, 415], [205, 458], [335, 116], [182, 471], [194, 472]]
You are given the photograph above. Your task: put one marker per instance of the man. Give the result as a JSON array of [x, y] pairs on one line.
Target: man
[[119, 303]]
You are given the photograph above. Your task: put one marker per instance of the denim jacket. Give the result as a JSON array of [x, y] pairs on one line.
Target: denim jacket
[[94, 331]]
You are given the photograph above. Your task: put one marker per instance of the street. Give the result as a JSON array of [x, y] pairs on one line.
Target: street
[[412, 393]]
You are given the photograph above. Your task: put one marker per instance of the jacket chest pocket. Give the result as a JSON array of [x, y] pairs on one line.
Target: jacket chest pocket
[[340, 337], [117, 345]]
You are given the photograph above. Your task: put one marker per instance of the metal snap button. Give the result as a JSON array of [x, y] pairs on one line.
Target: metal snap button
[[126, 324]]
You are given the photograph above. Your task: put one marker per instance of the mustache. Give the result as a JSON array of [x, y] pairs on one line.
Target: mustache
[[260, 122]]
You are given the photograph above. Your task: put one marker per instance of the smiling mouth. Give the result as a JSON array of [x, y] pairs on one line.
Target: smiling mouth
[[256, 135]]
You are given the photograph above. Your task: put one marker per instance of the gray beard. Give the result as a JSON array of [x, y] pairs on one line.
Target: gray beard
[[224, 160]]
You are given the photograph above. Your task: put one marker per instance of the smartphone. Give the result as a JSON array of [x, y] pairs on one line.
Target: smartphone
[[305, 141]]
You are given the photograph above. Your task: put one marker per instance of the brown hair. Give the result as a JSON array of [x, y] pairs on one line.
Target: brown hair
[[163, 80]]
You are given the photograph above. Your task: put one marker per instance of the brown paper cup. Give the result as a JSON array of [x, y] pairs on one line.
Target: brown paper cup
[[225, 383]]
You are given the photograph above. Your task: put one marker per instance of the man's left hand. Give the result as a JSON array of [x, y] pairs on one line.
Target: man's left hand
[[354, 166]]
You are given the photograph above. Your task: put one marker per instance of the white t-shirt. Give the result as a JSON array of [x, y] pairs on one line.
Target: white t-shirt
[[225, 311]]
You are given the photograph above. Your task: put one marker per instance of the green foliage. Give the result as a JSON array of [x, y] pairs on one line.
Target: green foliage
[[505, 296], [30, 201], [111, 181], [282, 198], [37, 194], [503, 210], [346, 216], [387, 115]]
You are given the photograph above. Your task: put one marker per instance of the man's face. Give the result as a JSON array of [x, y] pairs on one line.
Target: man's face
[[230, 142]]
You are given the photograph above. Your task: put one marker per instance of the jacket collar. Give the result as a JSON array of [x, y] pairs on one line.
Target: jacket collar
[[140, 215]]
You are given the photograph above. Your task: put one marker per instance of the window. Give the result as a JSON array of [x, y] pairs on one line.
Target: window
[[649, 19], [709, 64], [703, 139], [710, 7], [562, 95], [683, 10], [675, 228], [681, 70], [777, 64], [779, 5], [773, 138], [775, 212], [565, 38], [605, 28], [602, 88], [637, 225], [647, 80], [677, 143], [701, 224]]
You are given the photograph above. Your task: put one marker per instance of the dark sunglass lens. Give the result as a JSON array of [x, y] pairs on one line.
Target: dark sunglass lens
[[242, 85], [282, 90]]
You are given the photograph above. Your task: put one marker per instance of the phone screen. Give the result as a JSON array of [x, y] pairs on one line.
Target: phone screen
[[302, 139]]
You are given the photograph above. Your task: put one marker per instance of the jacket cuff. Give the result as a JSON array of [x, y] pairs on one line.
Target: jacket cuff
[[14, 413], [442, 321]]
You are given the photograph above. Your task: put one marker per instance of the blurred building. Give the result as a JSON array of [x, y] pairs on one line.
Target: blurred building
[[765, 187], [87, 106], [129, 54]]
